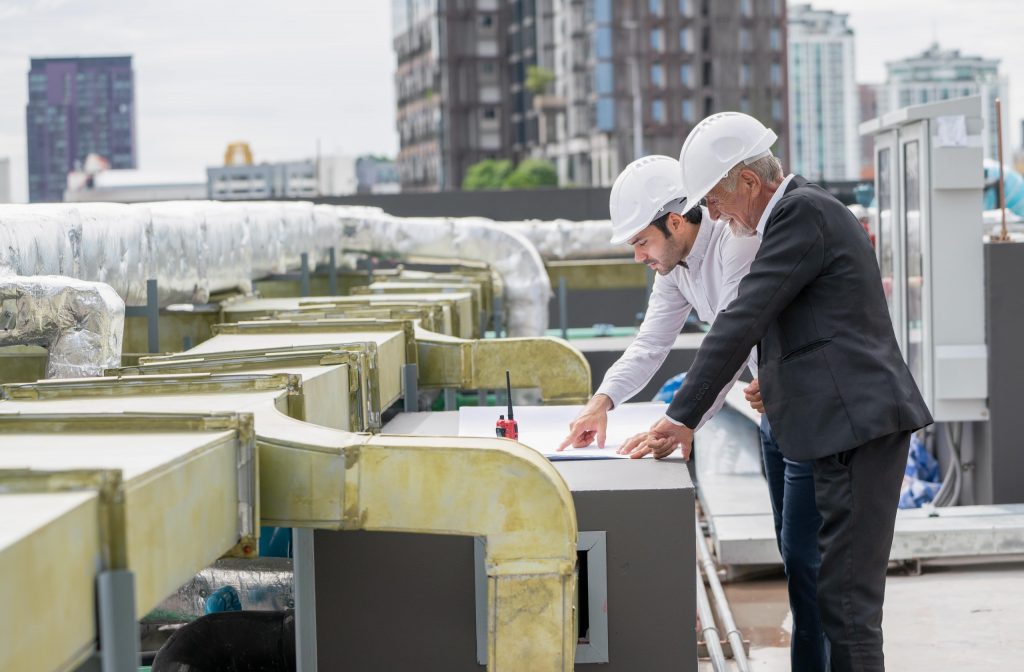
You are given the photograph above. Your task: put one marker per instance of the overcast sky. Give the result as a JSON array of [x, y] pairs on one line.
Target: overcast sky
[[283, 74]]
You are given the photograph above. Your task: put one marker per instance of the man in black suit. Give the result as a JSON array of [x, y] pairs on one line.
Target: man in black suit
[[833, 382]]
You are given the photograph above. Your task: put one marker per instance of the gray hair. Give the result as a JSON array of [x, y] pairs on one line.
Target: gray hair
[[768, 168]]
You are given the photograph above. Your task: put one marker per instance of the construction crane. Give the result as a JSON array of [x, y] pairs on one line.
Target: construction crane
[[234, 150]]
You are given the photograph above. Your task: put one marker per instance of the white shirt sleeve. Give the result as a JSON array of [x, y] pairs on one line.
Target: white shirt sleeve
[[735, 255], [667, 311]]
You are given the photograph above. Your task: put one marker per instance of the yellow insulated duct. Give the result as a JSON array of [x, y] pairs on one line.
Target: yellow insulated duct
[[317, 477]]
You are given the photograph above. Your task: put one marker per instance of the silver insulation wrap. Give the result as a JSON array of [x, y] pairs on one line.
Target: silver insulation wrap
[[561, 239], [262, 584], [80, 323], [510, 254], [196, 248]]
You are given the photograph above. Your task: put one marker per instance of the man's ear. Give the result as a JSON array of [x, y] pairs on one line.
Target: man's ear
[[675, 221], [750, 178]]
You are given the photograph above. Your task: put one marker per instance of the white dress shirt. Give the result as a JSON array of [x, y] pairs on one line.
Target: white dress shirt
[[714, 267], [771, 205]]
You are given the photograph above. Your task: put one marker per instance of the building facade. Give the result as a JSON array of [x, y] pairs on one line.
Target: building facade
[[451, 86], [823, 96], [867, 95], [941, 74], [77, 107], [630, 77], [291, 179]]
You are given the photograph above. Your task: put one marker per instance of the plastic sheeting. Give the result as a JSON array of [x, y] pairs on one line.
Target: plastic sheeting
[[80, 323], [509, 253]]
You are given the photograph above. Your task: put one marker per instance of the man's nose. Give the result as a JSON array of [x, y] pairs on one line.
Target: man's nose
[[638, 255]]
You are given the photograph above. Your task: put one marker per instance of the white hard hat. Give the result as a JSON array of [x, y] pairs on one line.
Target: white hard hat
[[645, 190], [715, 145]]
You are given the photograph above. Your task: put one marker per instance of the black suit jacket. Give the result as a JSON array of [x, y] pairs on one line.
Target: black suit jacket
[[831, 373]]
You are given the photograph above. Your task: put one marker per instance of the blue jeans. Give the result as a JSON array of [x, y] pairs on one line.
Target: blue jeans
[[791, 488]]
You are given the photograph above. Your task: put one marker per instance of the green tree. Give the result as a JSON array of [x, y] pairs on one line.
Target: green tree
[[538, 79], [487, 174], [532, 173]]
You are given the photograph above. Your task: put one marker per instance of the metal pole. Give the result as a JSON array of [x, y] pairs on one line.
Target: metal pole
[[304, 277], [563, 307], [733, 633], [409, 388], [708, 630], [332, 272], [152, 316], [119, 629], [634, 77], [1003, 237], [304, 585]]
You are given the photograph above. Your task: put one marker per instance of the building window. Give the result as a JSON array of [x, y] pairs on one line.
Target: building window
[[745, 105], [658, 111], [685, 40], [606, 114], [775, 39], [776, 7], [744, 75], [686, 74], [656, 7], [745, 8], [707, 73], [604, 75], [657, 39], [603, 43], [486, 20], [776, 109], [776, 74], [603, 11], [490, 113], [658, 75], [685, 8], [687, 110], [744, 39]]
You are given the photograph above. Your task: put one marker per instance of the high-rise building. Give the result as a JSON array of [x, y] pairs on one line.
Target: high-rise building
[[77, 107], [823, 98], [5, 180], [630, 77], [451, 86], [940, 74], [637, 75]]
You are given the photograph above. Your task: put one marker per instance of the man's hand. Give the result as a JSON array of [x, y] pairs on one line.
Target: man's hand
[[660, 441], [590, 424], [753, 394]]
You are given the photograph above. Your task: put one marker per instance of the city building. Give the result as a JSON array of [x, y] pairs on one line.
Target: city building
[[941, 74], [96, 181], [77, 107], [637, 75], [611, 81], [867, 95], [377, 175], [5, 180], [823, 97], [291, 179], [451, 88]]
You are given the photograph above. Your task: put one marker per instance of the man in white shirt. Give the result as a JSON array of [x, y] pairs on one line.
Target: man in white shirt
[[700, 262]]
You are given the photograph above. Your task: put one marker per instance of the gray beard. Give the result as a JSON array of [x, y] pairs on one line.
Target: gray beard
[[741, 231]]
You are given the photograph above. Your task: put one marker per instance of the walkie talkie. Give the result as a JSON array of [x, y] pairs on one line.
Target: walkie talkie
[[507, 429]]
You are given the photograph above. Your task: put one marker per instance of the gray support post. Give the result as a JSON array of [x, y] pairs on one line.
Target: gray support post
[[332, 272], [498, 312], [410, 390], [304, 585], [304, 277], [152, 316], [119, 629], [563, 307], [451, 401]]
